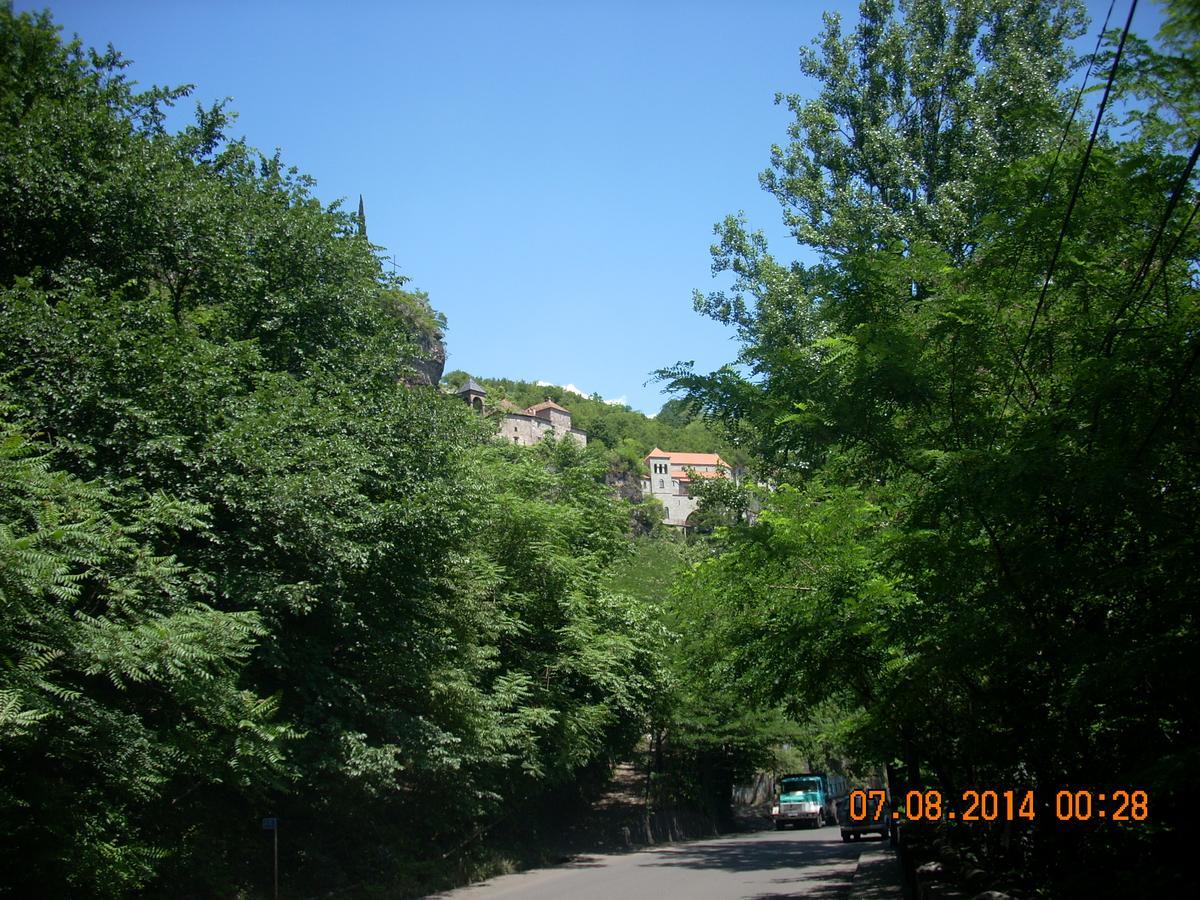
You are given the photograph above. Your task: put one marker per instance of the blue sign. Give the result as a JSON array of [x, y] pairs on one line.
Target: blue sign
[[270, 824]]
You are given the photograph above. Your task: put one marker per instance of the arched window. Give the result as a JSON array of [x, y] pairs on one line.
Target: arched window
[[660, 482]]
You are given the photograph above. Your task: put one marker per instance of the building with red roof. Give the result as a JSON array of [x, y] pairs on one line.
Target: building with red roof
[[671, 476], [525, 426]]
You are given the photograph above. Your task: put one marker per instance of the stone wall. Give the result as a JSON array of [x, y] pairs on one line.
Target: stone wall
[[678, 507], [526, 430]]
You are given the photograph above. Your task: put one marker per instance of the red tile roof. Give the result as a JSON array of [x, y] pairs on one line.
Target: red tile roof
[[548, 404], [689, 459], [685, 476]]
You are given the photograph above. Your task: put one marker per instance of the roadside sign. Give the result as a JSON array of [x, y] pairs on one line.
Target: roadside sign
[[270, 824]]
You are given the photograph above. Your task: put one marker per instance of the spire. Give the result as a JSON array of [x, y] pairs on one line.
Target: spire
[[362, 218]]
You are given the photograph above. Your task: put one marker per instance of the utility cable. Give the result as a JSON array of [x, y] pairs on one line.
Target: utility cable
[[1062, 231], [1087, 155], [1148, 260], [1062, 142]]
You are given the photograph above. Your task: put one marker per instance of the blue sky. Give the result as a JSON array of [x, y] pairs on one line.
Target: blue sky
[[549, 172]]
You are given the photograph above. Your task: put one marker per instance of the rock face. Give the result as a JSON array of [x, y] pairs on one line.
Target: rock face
[[426, 328], [429, 370], [626, 486]]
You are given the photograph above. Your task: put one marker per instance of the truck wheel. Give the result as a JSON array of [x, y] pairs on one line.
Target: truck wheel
[[845, 838]]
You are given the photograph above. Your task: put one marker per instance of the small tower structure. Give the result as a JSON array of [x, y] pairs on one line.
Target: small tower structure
[[473, 394]]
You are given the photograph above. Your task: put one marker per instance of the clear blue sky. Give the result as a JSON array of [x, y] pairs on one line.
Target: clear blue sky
[[549, 172]]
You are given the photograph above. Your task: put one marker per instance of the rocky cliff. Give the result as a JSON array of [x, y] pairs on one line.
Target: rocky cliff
[[432, 363], [426, 328]]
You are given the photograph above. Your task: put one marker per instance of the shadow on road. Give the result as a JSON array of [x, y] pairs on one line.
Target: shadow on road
[[583, 862], [757, 856]]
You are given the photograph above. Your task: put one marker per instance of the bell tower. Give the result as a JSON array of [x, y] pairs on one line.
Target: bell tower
[[473, 394]]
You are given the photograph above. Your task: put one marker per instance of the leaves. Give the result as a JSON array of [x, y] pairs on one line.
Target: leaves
[[975, 551], [244, 568]]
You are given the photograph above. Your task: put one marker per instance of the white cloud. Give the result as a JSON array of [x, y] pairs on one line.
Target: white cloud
[[566, 387], [623, 400]]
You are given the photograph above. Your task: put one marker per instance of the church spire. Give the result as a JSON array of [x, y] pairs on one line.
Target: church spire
[[362, 218]]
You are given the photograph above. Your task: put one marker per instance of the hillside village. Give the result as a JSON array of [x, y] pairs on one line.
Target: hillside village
[[666, 476], [524, 426]]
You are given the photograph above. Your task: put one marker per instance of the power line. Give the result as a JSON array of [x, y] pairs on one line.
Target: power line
[[1062, 231], [1062, 142], [1087, 155], [1079, 98], [1111, 335]]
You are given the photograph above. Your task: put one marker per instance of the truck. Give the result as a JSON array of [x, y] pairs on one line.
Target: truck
[[807, 798]]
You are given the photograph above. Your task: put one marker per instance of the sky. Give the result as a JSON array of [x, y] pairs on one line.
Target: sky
[[549, 172]]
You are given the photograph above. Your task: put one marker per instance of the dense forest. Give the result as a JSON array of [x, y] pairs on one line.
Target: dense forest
[[250, 567], [980, 410], [246, 570]]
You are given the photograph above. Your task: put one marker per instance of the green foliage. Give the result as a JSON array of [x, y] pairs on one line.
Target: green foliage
[[915, 108], [119, 688], [722, 502], [651, 569], [979, 546], [246, 570]]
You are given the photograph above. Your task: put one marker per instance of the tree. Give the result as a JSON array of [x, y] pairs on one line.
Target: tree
[[917, 109], [977, 406], [119, 688], [246, 568]]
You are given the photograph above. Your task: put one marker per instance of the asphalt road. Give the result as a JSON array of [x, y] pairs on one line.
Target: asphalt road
[[807, 863]]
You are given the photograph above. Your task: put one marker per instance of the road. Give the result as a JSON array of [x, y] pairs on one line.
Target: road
[[813, 864]]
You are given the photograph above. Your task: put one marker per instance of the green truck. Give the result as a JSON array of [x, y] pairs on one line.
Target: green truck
[[807, 798]]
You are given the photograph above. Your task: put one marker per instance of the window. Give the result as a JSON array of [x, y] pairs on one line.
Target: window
[[660, 482]]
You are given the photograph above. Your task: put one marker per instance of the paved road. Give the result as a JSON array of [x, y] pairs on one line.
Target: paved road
[[812, 864]]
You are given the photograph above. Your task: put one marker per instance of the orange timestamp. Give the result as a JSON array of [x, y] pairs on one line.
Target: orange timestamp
[[1004, 806]]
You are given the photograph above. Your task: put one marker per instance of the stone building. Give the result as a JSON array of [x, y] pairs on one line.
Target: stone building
[[473, 394], [524, 426], [671, 477]]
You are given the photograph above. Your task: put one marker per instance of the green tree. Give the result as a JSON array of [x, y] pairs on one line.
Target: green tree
[[977, 405], [246, 569], [119, 689]]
